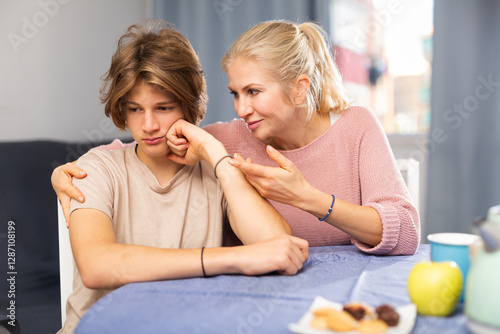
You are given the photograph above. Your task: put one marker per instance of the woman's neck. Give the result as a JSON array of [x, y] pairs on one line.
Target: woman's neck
[[301, 132]]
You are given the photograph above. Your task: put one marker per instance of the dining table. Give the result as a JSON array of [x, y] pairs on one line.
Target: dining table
[[269, 303]]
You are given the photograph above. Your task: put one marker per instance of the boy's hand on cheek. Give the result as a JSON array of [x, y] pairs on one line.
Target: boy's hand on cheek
[[183, 142], [177, 143], [190, 144], [178, 146]]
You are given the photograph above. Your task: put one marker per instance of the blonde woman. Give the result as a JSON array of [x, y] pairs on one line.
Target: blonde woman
[[147, 217], [324, 165]]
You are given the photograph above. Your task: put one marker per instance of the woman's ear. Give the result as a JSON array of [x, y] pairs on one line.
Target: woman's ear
[[301, 89]]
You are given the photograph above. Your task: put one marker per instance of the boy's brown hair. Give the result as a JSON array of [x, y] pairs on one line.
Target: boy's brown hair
[[162, 56]]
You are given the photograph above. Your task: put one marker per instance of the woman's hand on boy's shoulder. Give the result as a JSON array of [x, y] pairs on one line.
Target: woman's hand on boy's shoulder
[[61, 179]]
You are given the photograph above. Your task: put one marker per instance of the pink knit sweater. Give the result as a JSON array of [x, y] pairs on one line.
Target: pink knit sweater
[[353, 161]]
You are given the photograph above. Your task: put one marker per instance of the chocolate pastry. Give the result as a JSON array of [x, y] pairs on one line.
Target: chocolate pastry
[[387, 314], [357, 310]]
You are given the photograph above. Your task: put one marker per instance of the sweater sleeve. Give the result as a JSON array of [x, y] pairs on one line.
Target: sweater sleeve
[[228, 133], [383, 188]]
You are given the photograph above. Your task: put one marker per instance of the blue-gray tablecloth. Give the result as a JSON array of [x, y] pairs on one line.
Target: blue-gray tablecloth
[[264, 304]]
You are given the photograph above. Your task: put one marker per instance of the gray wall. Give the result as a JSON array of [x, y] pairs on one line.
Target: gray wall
[[52, 55], [464, 139]]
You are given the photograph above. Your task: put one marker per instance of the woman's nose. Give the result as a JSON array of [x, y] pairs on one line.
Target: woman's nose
[[243, 108]]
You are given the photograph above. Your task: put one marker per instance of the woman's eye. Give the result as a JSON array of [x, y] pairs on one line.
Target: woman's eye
[[234, 94], [253, 91]]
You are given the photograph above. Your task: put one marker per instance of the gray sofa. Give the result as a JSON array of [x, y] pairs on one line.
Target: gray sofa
[[29, 203]]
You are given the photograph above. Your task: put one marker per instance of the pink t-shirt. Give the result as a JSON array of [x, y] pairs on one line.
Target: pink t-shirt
[[353, 161]]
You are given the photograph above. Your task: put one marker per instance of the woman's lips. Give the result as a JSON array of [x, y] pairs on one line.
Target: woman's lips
[[253, 125], [152, 141]]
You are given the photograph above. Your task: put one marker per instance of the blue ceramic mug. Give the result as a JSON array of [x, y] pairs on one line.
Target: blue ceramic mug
[[452, 247]]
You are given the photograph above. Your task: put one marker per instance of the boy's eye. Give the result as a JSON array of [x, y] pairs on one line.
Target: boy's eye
[[133, 109]]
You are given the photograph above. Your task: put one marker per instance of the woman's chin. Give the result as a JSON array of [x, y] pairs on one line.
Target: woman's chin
[[260, 136]]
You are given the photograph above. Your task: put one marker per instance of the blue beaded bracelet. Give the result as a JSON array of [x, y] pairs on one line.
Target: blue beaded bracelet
[[329, 210]]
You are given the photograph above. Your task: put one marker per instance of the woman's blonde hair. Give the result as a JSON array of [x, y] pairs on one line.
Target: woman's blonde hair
[[287, 50], [158, 54]]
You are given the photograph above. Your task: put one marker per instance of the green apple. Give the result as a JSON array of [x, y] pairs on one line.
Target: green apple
[[435, 287]]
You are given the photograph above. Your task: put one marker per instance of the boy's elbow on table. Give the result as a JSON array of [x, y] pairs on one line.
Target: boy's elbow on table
[[98, 276]]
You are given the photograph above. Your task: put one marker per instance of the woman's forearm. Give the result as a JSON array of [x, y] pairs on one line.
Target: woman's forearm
[[361, 222]]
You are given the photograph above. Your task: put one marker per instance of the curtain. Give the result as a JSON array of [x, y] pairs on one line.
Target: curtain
[[213, 25], [464, 140]]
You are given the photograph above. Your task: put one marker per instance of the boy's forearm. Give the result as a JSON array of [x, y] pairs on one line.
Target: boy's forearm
[[119, 264], [252, 217]]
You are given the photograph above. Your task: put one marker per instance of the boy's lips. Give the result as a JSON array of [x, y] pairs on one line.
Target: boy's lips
[[152, 141]]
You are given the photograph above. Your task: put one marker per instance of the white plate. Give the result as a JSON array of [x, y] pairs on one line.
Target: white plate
[[407, 315]]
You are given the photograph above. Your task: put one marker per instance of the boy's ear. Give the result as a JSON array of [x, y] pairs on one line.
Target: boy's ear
[[301, 89]]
